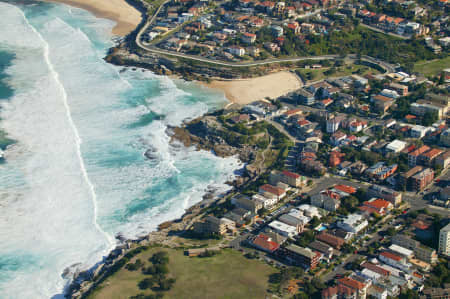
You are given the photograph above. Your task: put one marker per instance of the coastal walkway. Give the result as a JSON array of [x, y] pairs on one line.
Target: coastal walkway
[[384, 65]]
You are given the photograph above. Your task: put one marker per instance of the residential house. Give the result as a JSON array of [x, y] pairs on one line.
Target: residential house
[[413, 156], [310, 165], [443, 160], [301, 256], [334, 241], [394, 260], [293, 221], [396, 146], [377, 205], [404, 178], [337, 138], [382, 103], [418, 131], [214, 225], [427, 158], [305, 97], [333, 124], [401, 89], [236, 50], [422, 179], [444, 240], [380, 171], [353, 223], [325, 249], [283, 229], [266, 201], [390, 195], [248, 38], [272, 190], [244, 202], [265, 243], [290, 178], [354, 285], [240, 118], [374, 268], [328, 200], [445, 138]]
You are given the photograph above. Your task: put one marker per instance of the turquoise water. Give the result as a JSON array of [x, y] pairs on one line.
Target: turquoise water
[[77, 175], [6, 59]]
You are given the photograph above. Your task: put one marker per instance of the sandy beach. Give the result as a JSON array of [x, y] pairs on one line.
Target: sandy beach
[[125, 15], [245, 91]]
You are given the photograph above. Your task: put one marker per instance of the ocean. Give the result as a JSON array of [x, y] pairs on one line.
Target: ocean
[[76, 175]]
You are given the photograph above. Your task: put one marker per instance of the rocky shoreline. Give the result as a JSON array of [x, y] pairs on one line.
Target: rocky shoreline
[[84, 281], [197, 133]]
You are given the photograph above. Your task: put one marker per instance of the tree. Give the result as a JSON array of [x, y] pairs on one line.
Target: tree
[[390, 231], [166, 284], [314, 221], [160, 257], [145, 283], [429, 118]]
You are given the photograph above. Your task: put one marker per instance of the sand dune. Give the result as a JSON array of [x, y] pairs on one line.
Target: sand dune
[[126, 16]]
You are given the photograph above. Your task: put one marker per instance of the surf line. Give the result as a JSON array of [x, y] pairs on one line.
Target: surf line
[[78, 139]]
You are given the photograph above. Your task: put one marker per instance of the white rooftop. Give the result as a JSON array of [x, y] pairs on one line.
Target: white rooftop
[[277, 225], [396, 145], [401, 250]]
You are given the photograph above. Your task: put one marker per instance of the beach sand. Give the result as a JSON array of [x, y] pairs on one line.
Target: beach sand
[[244, 91], [125, 15]]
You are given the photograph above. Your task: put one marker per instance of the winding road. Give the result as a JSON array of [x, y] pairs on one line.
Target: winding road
[[386, 66]]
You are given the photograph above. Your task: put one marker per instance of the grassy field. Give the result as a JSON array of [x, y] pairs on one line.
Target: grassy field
[[432, 67], [227, 275]]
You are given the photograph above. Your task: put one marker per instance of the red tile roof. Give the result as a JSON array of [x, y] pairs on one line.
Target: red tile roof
[[272, 189], [265, 242], [303, 122], [391, 256], [293, 111], [291, 174], [334, 241], [375, 268], [421, 225], [378, 203], [382, 98], [432, 153], [351, 283], [345, 188], [420, 150], [329, 292]]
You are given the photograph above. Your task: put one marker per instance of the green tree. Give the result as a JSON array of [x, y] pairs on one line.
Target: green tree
[[429, 118]]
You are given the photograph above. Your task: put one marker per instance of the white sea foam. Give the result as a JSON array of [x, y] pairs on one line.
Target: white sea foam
[[78, 168]]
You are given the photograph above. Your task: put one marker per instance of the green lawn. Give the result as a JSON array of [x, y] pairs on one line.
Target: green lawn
[[432, 67], [227, 275]]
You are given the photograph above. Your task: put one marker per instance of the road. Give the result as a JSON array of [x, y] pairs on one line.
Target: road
[[384, 65], [384, 32], [283, 130]]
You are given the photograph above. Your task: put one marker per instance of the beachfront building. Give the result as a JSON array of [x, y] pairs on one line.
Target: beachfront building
[[214, 225]]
